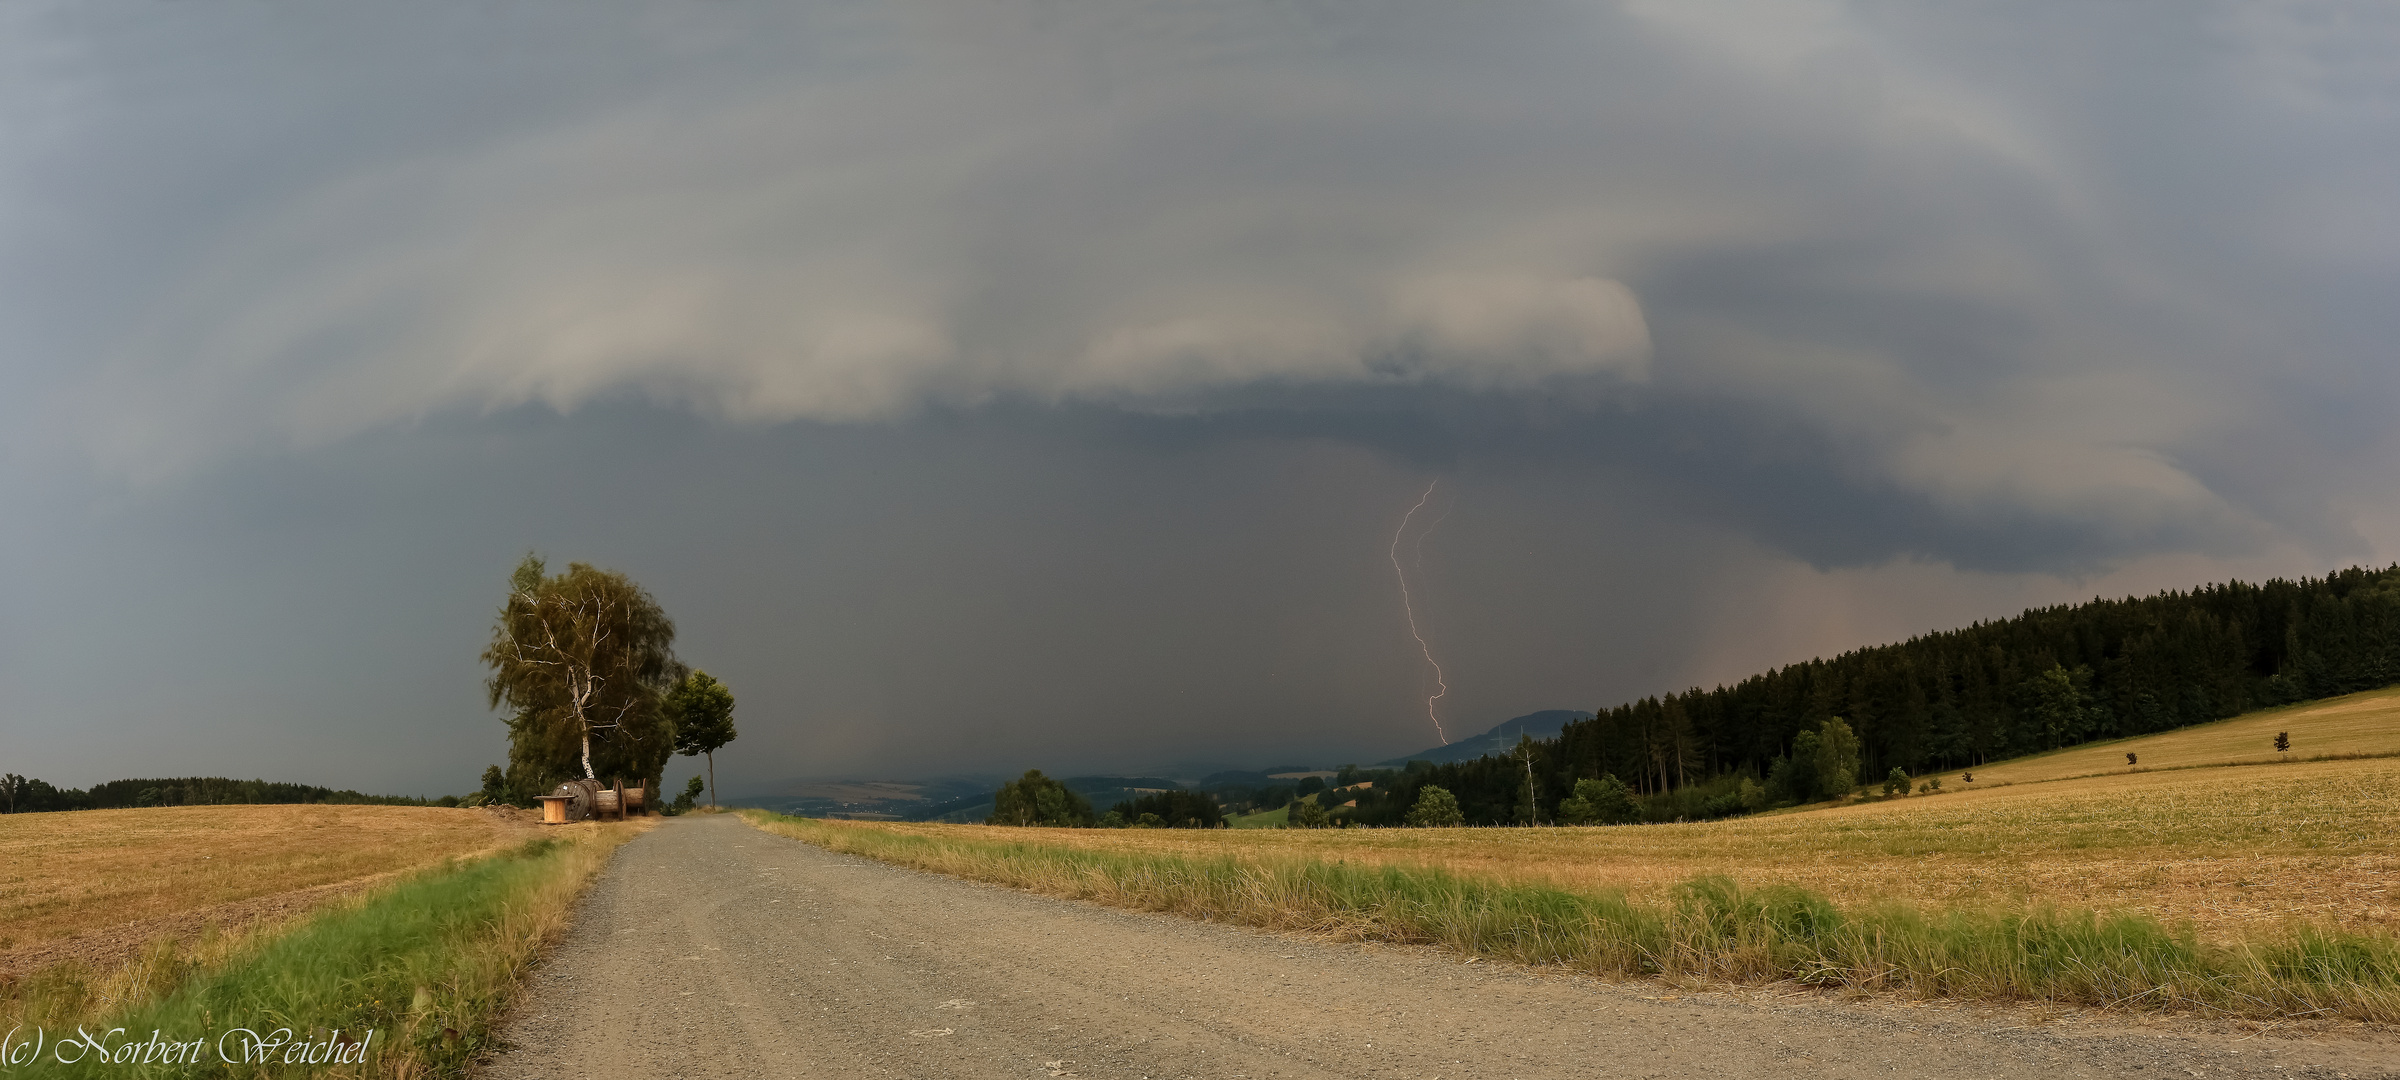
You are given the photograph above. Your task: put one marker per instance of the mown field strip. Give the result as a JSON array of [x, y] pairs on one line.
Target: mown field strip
[[427, 963], [64, 874], [1709, 927], [2353, 725], [2231, 851]]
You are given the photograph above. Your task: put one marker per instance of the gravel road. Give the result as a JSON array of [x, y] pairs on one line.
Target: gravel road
[[710, 949]]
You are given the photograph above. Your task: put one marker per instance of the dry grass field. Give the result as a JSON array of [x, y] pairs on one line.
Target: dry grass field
[[64, 876], [2349, 726], [2231, 850]]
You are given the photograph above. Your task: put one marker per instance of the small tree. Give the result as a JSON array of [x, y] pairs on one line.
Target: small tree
[[702, 710], [1307, 815], [2131, 758], [2283, 741], [1436, 809], [691, 795], [1895, 782]]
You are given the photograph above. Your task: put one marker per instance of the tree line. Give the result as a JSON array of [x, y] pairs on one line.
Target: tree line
[[19, 795], [2049, 678]]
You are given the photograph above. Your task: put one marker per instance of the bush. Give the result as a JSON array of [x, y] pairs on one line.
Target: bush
[[1895, 783], [1598, 802], [1307, 815], [1034, 799], [1436, 809]]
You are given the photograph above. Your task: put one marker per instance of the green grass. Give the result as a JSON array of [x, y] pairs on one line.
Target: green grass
[[426, 965], [1708, 928], [1264, 819]]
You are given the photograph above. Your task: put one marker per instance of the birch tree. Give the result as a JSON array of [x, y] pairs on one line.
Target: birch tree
[[581, 660]]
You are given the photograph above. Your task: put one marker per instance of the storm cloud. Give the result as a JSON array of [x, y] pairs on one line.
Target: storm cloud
[[990, 382]]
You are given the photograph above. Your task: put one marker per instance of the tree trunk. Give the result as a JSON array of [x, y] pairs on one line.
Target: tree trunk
[[587, 755], [712, 779]]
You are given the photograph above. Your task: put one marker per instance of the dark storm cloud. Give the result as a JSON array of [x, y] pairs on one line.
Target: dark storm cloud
[[1683, 288]]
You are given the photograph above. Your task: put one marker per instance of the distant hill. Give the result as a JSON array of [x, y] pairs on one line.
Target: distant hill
[[1545, 724]]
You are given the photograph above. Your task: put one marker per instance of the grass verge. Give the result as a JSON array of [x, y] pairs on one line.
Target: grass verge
[[1708, 927], [427, 965]]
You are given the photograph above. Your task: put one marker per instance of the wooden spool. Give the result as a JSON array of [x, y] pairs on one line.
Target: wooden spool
[[606, 804], [635, 803], [554, 809], [582, 798]]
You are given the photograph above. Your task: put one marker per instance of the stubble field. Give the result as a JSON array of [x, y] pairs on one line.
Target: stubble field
[[2229, 850], [71, 883], [2354, 725]]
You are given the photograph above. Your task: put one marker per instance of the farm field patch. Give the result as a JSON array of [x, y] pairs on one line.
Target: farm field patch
[[2353, 725], [65, 875], [2230, 850]]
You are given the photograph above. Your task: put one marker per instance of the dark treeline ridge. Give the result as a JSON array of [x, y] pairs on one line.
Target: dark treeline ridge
[[19, 795], [2049, 678]]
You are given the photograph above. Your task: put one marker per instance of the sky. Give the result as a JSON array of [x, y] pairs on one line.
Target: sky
[[1043, 383]]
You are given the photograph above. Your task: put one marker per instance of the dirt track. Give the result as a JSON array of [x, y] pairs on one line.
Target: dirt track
[[711, 949]]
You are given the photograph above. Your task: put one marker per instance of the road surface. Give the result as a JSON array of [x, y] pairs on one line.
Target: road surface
[[710, 949]]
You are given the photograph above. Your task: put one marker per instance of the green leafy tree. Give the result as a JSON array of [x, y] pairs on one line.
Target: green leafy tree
[[1113, 820], [701, 709], [1307, 815], [1895, 782], [2060, 706], [1794, 779], [1837, 759], [1034, 799], [581, 661], [1436, 809], [1605, 801]]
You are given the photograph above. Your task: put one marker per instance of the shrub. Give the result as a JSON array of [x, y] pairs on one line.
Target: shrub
[[1307, 815], [1895, 783]]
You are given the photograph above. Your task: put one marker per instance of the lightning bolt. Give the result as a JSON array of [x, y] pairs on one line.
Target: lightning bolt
[[1406, 604]]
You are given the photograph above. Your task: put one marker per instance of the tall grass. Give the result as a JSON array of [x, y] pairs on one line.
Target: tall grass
[[1709, 928], [426, 965]]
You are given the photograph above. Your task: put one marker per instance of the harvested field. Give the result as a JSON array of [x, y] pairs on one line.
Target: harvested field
[[2232, 850], [95, 886], [2354, 725]]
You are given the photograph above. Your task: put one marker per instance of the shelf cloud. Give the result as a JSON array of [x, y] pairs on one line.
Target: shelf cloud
[[2013, 289]]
